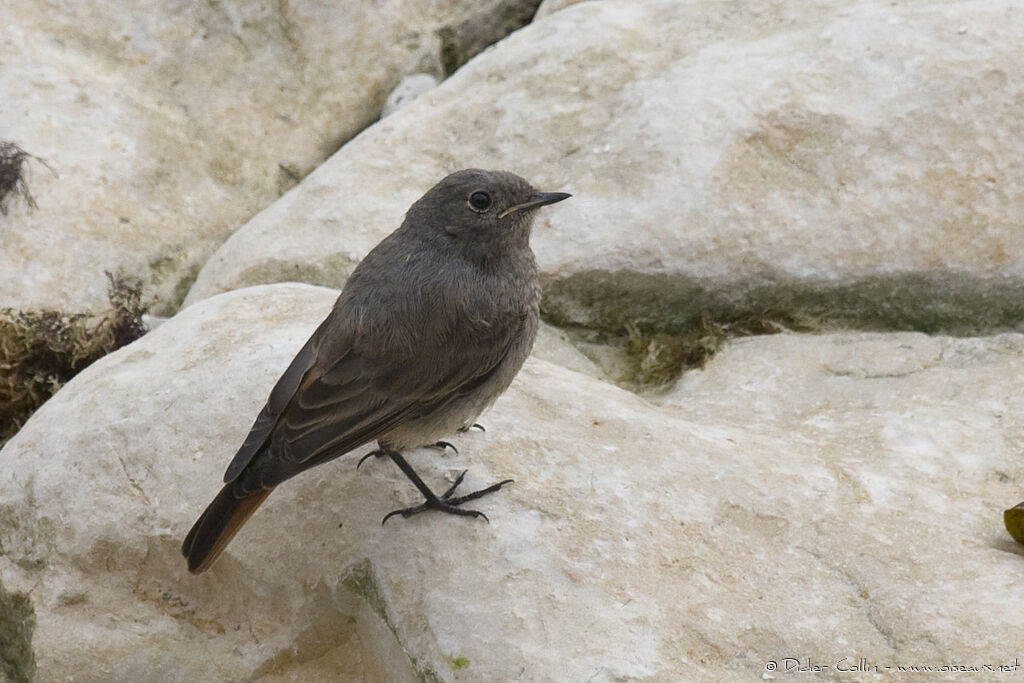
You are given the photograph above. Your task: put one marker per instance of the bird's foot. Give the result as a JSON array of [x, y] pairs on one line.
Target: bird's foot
[[443, 445], [468, 427], [446, 503]]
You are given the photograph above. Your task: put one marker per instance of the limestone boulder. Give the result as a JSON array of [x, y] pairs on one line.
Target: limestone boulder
[[834, 497], [550, 6], [409, 89], [167, 125], [853, 162]]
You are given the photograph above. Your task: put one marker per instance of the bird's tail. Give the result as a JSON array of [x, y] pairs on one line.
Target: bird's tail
[[218, 525]]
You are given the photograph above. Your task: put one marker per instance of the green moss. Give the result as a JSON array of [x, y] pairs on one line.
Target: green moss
[[425, 674], [934, 303], [41, 350], [458, 662], [656, 325], [361, 580], [17, 625]]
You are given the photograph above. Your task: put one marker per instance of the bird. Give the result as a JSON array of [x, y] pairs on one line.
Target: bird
[[429, 329]]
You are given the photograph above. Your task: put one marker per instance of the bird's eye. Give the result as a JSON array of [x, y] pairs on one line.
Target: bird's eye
[[480, 200]]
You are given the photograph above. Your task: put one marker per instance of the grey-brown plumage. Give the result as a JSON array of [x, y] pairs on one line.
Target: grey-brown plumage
[[429, 330]]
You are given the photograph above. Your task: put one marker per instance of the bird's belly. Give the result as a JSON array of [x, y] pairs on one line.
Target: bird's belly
[[461, 412], [433, 427]]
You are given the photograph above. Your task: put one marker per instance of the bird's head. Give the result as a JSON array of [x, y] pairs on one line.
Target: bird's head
[[482, 212]]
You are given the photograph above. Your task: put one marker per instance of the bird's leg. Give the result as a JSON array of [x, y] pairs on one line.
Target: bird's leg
[[445, 502], [468, 427], [380, 452]]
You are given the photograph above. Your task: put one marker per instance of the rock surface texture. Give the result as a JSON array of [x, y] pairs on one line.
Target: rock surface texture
[[169, 124], [725, 528], [855, 162], [824, 504]]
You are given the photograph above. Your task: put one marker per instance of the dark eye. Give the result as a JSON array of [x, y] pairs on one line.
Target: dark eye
[[480, 200]]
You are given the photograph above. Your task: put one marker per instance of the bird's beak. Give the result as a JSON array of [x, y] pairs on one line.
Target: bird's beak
[[538, 199]]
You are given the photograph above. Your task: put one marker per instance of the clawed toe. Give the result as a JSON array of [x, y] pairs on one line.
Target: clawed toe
[[446, 503], [451, 489], [379, 453], [423, 507]]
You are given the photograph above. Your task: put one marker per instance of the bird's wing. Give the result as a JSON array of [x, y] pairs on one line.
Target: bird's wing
[[358, 394], [280, 395]]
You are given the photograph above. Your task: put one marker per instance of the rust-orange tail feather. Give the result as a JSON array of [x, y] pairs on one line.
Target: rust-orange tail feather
[[218, 525]]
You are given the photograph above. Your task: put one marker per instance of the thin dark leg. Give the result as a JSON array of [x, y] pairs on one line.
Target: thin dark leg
[[445, 502], [380, 452]]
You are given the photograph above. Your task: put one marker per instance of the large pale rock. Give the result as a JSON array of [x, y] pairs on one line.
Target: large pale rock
[[851, 510], [169, 124], [551, 6], [847, 161], [407, 91]]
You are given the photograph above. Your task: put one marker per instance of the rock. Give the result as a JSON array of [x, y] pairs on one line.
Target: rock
[[408, 90], [854, 164], [555, 346], [836, 497], [171, 124], [551, 6], [485, 25]]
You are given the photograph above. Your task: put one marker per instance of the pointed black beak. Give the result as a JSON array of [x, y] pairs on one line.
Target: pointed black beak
[[537, 199]]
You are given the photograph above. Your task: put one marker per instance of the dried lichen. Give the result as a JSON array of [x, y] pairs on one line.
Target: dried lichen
[[657, 358], [41, 350]]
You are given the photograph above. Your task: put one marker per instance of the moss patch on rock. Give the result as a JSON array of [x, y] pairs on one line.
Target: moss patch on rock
[[642, 357], [652, 327], [934, 303], [362, 580], [656, 359], [17, 624]]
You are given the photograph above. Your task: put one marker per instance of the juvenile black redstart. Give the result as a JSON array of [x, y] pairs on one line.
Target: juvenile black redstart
[[429, 330]]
